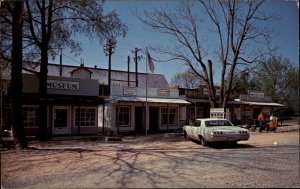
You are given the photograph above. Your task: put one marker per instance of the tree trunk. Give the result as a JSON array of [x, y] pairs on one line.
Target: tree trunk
[[43, 133], [16, 76], [211, 86]]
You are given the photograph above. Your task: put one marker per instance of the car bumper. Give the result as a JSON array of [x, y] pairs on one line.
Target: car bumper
[[230, 138]]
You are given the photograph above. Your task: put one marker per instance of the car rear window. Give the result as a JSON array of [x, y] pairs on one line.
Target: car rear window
[[215, 123]]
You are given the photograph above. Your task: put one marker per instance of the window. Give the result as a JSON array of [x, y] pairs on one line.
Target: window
[[103, 90], [215, 123], [31, 116], [199, 112], [197, 123], [123, 115], [86, 117], [164, 115], [169, 115], [196, 112], [192, 113]]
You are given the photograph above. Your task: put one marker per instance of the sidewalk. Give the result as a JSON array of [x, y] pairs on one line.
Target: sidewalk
[[280, 129], [288, 128]]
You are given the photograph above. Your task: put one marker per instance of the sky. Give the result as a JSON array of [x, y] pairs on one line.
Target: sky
[[286, 37]]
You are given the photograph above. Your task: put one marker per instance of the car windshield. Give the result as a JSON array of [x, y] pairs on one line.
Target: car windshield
[[215, 123]]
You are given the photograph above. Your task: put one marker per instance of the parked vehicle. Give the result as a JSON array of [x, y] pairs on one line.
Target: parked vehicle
[[214, 130]]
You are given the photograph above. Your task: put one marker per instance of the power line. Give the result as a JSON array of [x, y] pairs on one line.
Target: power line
[[71, 58]]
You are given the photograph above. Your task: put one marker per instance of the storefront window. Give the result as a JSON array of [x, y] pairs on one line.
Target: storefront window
[[169, 115], [192, 113], [172, 116], [31, 116], [196, 112], [123, 115], [199, 112], [164, 115], [86, 117]]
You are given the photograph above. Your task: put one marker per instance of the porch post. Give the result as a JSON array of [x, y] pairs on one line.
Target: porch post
[[79, 118], [103, 108]]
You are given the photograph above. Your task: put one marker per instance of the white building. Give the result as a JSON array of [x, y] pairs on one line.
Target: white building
[[79, 94]]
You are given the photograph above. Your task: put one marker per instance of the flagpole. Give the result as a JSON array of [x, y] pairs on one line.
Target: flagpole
[[146, 90]]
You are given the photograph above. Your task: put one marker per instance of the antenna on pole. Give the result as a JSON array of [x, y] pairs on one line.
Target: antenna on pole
[[136, 59], [108, 50]]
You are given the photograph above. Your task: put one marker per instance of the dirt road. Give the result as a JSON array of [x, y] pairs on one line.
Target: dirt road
[[157, 161]]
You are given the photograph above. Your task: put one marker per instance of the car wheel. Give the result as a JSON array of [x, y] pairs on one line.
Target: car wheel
[[203, 141], [186, 136]]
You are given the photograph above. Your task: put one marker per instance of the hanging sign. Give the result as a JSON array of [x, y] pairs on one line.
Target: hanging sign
[[63, 85]]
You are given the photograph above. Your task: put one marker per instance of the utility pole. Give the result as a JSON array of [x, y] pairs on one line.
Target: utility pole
[[60, 63], [128, 62], [136, 58], [108, 50]]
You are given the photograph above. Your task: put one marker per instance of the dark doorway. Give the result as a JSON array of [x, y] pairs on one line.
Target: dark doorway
[[60, 119], [256, 112], [139, 119], [153, 119]]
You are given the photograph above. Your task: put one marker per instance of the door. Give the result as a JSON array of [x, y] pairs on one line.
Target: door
[[153, 119], [61, 121], [139, 119]]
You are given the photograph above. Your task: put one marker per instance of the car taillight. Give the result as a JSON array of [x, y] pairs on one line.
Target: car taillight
[[243, 132], [217, 132]]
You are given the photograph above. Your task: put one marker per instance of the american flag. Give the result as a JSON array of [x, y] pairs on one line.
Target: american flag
[[150, 62]]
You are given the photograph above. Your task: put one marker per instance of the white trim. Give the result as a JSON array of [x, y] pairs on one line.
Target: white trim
[[114, 99], [238, 101]]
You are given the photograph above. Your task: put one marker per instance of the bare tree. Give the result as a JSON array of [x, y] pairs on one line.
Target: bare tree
[[186, 79], [241, 38], [13, 15]]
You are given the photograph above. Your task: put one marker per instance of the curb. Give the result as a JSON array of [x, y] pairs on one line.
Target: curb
[[295, 128]]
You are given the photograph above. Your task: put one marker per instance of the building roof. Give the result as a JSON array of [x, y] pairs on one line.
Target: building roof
[[118, 77]]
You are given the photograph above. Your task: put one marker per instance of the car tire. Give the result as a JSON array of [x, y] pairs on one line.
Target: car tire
[[186, 137], [203, 141]]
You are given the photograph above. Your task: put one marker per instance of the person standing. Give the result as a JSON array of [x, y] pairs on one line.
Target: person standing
[[273, 122], [260, 119]]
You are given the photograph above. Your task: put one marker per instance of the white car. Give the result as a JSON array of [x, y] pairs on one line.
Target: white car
[[215, 130]]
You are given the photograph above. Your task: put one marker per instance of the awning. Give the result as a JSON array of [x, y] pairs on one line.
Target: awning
[[237, 101], [194, 100], [114, 99]]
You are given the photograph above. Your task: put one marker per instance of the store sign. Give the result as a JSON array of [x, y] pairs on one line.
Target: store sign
[[217, 110], [162, 92], [63, 85], [256, 94], [129, 91]]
